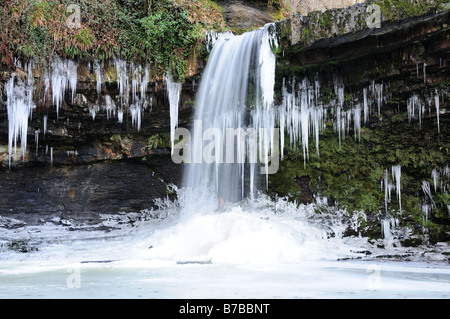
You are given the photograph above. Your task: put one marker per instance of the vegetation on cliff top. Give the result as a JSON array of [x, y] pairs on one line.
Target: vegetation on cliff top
[[162, 32]]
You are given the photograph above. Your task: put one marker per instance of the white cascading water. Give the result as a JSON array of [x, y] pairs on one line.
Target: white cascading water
[[236, 93], [220, 218]]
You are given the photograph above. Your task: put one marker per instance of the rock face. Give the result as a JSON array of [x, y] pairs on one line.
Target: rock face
[[38, 193], [244, 16], [306, 6]]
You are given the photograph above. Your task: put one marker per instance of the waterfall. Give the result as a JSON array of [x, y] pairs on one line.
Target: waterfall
[[234, 116]]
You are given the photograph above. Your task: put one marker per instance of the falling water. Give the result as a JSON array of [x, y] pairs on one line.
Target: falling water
[[234, 102]]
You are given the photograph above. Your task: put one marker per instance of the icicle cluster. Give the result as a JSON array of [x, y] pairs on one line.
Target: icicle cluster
[[19, 107], [416, 107], [387, 226], [64, 75], [301, 115], [140, 77], [440, 177], [388, 187]]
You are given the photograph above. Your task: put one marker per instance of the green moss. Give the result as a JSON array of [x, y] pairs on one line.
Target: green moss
[[325, 21], [162, 33], [402, 9], [160, 140]]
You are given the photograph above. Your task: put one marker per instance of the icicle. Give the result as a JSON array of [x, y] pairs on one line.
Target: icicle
[[45, 124], [413, 103], [424, 73], [72, 76], [136, 116], [93, 112], [357, 121], [120, 116], [211, 37], [436, 102], [122, 80], [144, 82], [426, 209], [396, 175], [135, 80], [435, 176], [386, 231], [366, 106], [427, 191], [340, 125], [51, 156], [36, 140], [387, 190], [173, 92], [110, 106], [379, 97], [304, 122], [46, 85], [99, 78], [316, 89]]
